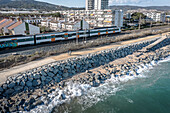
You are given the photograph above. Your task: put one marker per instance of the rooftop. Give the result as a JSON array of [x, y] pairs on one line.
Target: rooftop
[[5, 24], [14, 25], [3, 21]]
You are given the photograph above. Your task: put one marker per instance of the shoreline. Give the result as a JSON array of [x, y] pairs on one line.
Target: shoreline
[[75, 88], [113, 68], [35, 64], [24, 57]]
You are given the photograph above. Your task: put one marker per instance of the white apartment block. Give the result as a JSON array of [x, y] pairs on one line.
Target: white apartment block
[[118, 18], [152, 15], [156, 16], [11, 27], [89, 4], [76, 25], [97, 18], [97, 4], [101, 4]]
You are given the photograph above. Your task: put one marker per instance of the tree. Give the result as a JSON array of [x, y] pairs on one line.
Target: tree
[[57, 14], [136, 16]]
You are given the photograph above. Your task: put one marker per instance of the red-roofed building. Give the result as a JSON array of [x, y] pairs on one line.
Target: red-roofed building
[[5, 25], [3, 21], [14, 27], [23, 28]]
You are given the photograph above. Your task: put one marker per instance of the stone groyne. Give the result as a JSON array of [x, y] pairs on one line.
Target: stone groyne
[[40, 81]]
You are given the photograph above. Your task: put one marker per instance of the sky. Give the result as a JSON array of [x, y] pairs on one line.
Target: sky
[[81, 3]]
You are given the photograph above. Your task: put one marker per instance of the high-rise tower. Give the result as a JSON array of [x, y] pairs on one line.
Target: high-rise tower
[[89, 4], [97, 4], [101, 4]]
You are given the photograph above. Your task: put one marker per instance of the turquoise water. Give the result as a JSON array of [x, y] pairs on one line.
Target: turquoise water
[[149, 93]]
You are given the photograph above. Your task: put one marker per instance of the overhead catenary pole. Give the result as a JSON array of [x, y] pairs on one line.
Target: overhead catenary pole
[[77, 36], [84, 35], [139, 21], [151, 24]]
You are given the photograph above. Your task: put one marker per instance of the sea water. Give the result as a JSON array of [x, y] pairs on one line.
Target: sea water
[[147, 93]]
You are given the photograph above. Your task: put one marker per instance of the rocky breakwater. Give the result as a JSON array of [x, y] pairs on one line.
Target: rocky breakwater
[[24, 91]]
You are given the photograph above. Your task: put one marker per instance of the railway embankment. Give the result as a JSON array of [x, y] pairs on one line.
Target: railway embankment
[[24, 91], [17, 58]]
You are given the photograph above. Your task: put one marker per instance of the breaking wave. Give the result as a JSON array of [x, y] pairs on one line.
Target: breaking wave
[[87, 96]]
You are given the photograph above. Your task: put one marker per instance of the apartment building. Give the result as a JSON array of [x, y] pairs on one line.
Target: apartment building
[[32, 20], [89, 4], [97, 4], [152, 15], [97, 18], [156, 16], [16, 27], [118, 18], [70, 24], [77, 24], [101, 4]]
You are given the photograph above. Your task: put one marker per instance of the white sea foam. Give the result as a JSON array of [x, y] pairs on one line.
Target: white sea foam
[[88, 95], [165, 60]]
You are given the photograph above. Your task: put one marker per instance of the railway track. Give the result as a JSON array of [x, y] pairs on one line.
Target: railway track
[[25, 49]]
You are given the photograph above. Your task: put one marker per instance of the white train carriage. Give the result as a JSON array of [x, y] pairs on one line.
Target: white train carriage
[[52, 37], [103, 31], [16, 41]]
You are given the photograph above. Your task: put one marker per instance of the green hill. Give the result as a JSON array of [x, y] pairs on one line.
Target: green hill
[[31, 4]]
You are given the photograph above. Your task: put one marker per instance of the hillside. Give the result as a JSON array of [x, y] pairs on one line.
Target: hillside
[[128, 7], [31, 4], [43, 6]]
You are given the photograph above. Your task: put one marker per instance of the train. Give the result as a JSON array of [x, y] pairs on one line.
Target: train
[[19, 40]]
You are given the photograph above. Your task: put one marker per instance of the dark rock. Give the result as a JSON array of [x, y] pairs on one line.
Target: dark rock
[[55, 71], [1, 89], [38, 102], [30, 79], [22, 83], [36, 76], [43, 78], [60, 72], [18, 88], [31, 106], [22, 102], [50, 74], [43, 73], [9, 91], [25, 88], [12, 109], [48, 79], [29, 84], [32, 100], [5, 86], [36, 82], [63, 97], [78, 66], [94, 84], [65, 75], [57, 79], [67, 67], [59, 76]]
